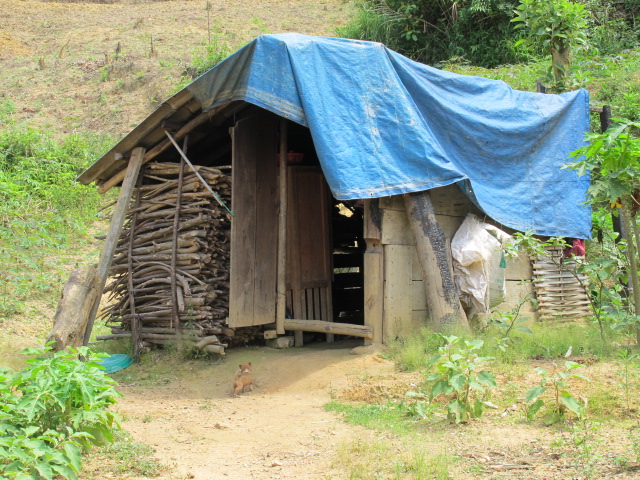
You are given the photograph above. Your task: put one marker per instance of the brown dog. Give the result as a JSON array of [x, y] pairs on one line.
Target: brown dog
[[243, 378]]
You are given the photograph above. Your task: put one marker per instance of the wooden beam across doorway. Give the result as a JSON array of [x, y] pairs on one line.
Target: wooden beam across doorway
[[320, 326]]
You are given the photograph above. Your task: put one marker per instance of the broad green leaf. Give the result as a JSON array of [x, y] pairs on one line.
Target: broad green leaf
[[433, 377], [439, 388], [534, 393], [74, 455], [570, 365], [44, 469], [524, 329], [476, 386], [551, 417], [533, 408], [456, 411], [571, 403], [487, 378], [478, 408], [458, 382]]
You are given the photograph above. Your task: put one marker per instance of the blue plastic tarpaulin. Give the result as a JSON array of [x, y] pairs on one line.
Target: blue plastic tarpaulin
[[385, 125]]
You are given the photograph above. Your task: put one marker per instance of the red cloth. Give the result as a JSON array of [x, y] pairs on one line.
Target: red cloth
[[577, 249]]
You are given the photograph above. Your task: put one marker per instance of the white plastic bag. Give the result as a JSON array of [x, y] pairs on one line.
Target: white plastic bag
[[478, 264]]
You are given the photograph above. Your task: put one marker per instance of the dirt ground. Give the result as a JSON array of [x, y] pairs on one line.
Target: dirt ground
[[281, 430], [278, 430]]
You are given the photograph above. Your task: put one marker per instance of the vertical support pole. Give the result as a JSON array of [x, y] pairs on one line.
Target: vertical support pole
[[281, 300], [136, 327], [373, 271], [175, 313], [117, 220]]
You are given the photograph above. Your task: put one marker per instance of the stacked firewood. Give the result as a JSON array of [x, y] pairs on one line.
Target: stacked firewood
[[170, 272]]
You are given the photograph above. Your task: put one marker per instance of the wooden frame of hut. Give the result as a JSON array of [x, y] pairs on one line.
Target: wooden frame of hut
[[287, 256]]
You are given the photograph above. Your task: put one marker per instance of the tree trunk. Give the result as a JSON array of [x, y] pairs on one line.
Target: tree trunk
[[434, 253], [626, 218], [78, 296], [561, 62]]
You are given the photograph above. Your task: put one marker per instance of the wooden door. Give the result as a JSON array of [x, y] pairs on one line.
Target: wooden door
[[254, 227], [309, 273]]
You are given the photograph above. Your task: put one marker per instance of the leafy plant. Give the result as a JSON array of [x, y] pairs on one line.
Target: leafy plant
[[42, 208], [628, 374], [556, 27], [511, 322], [613, 160], [209, 55], [51, 410], [582, 446], [477, 31], [459, 375], [561, 400]]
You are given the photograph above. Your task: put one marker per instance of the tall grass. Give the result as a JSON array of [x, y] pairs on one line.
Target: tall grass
[[548, 341], [42, 208]]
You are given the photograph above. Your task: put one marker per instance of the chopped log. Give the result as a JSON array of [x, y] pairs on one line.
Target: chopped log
[[210, 340], [78, 297], [434, 253], [215, 349]]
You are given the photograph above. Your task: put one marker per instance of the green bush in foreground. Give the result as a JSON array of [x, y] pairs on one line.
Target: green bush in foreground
[[51, 410]]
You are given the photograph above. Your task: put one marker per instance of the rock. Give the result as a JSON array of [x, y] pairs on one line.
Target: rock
[[280, 342]]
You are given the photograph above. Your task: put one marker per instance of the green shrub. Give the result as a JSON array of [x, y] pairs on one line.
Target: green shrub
[[458, 375], [51, 410], [42, 207], [431, 32]]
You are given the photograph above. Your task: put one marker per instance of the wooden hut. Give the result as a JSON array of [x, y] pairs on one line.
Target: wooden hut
[[301, 257]]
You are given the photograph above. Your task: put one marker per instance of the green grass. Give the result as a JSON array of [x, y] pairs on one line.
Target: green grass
[[389, 417], [549, 340], [386, 459], [44, 212], [124, 458]]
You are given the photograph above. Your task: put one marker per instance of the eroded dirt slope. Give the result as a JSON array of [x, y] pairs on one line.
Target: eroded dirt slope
[[84, 66]]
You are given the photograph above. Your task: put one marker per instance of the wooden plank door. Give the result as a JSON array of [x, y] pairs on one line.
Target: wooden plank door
[[254, 227], [309, 273]]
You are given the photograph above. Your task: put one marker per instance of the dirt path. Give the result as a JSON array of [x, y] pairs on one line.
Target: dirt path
[[279, 430]]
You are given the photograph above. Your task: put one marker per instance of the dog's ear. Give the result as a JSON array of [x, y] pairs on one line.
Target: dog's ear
[[249, 363], [240, 366]]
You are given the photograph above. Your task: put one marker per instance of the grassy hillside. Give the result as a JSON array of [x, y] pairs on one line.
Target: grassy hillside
[[103, 66]]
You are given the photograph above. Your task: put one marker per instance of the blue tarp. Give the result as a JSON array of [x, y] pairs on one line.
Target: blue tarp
[[385, 125]]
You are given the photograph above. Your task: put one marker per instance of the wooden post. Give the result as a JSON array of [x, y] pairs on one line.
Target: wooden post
[[78, 297], [135, 320], [373, 270], [435, 258], [281, 299], [117, 220]]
